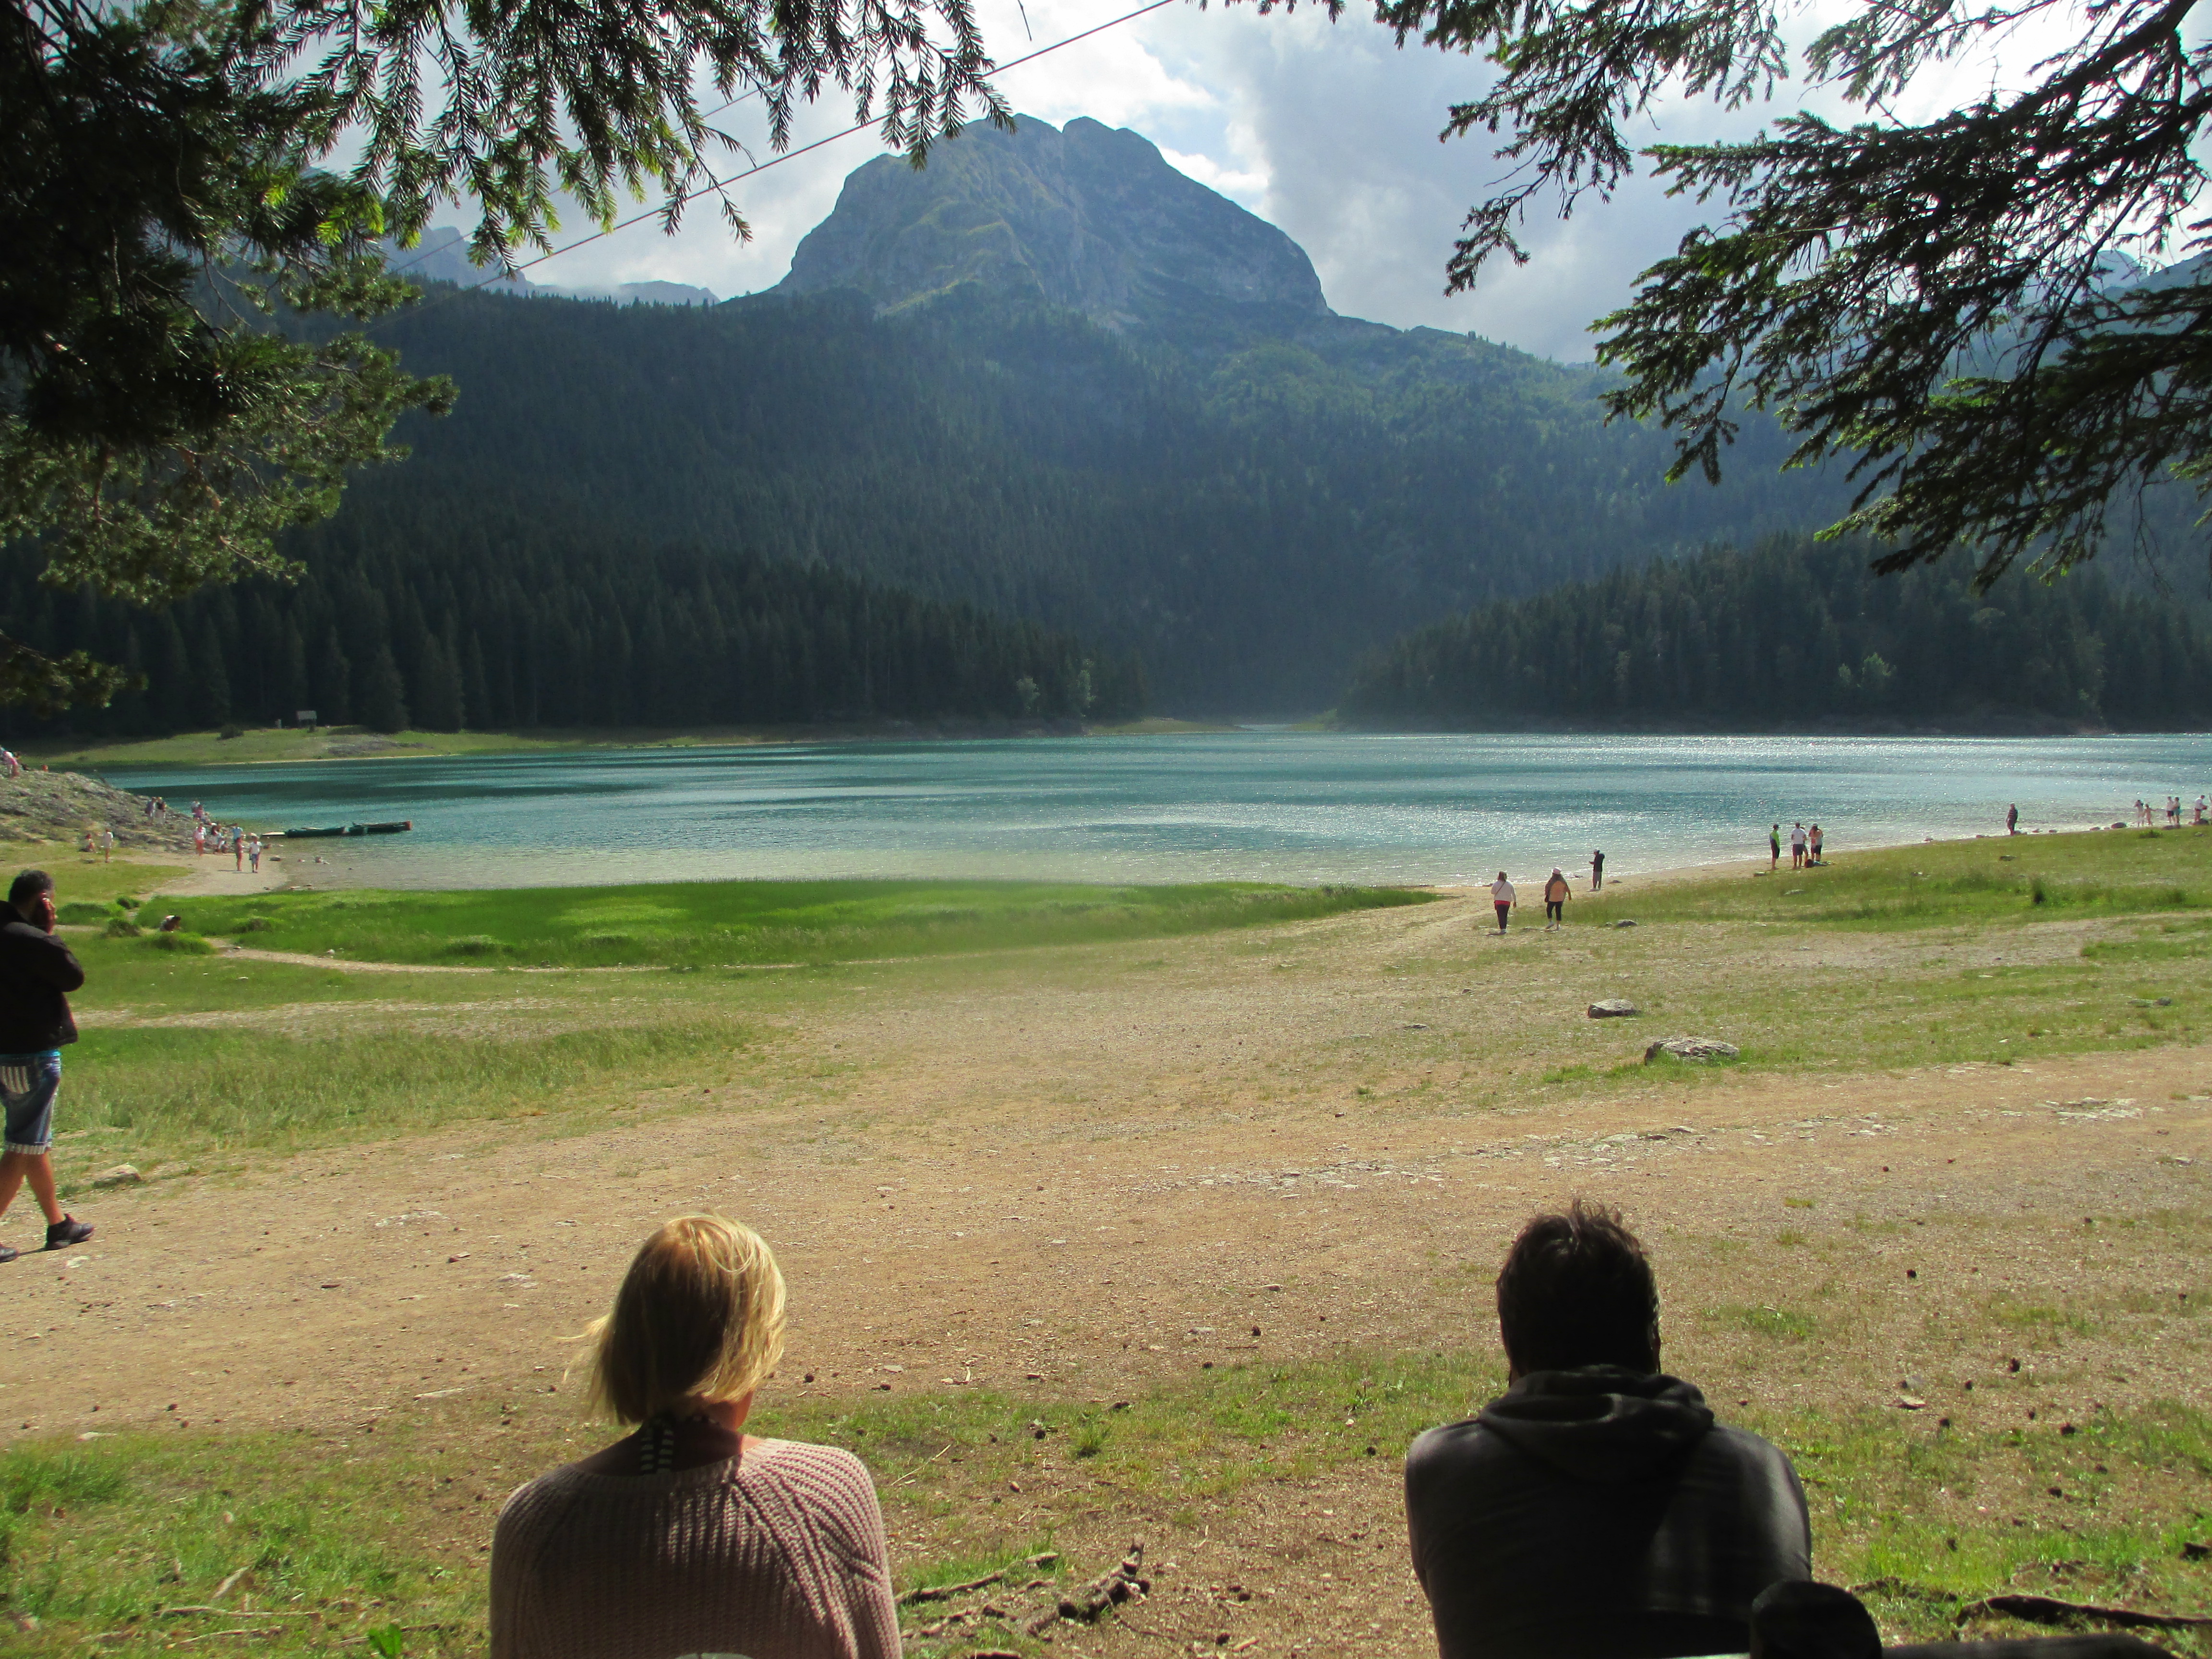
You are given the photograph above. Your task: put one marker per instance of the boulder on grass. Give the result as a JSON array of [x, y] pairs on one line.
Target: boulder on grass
[[1685, 1048], [123, 1175], [1613, 1008]]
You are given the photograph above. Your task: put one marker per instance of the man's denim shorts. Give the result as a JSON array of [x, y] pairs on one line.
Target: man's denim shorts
[[28, 1084]]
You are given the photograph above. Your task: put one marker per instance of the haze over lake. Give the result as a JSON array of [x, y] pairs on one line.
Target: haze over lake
[[1260, 805]]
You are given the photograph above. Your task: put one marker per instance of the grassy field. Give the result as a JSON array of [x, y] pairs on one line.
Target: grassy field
[[371, 1535], [725, 924], [366, 1534]]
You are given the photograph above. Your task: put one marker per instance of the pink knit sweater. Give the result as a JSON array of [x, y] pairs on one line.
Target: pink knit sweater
[[777, 1553]]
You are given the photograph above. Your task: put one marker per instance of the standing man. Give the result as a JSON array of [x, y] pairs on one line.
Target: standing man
[[1597, 870], [1774, 848], [1501, 895], [1797, 846], [1555, 901], [37, 971], [2011, 819]]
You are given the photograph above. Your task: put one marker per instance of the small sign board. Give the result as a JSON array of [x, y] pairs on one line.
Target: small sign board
[[306, 717]]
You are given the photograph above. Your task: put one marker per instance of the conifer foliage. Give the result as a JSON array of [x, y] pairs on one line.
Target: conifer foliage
[[533, 629], [1797, 632]]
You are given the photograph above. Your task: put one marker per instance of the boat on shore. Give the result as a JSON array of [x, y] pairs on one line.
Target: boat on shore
[[397, 827]]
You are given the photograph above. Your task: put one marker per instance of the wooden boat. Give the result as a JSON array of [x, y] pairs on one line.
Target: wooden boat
[[396, 827]]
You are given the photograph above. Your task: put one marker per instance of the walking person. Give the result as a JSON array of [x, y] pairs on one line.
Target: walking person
[[1597, 870], [1555, 901], [253, 854], [37, 973], [1774, 848], [238, 849], [1501, 895], [107, 846], [2011, 819]]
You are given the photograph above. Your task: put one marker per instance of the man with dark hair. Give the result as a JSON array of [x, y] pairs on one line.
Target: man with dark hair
[[37, 972], [1595, 1509]]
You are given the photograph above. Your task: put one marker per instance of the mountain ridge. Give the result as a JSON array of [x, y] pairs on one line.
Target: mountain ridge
[[1087, 218]]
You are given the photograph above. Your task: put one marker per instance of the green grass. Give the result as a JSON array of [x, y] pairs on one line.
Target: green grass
[[709, 924], [351, 1530], [2022, 877]]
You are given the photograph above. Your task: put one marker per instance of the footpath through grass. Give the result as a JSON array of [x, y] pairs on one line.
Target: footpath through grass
[[724, 924], [360, 1537]]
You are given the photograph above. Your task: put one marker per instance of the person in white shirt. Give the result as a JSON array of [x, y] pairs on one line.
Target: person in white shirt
[[1501, 895], [1797, 846]]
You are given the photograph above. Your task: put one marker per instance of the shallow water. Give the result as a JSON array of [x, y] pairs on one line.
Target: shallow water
[[1259, 805]]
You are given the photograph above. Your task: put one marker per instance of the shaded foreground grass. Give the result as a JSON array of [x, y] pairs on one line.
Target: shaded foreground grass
[[709, 924], [374, 1535]]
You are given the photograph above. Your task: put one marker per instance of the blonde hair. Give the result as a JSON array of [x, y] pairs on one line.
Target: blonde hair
[[700, 1313]]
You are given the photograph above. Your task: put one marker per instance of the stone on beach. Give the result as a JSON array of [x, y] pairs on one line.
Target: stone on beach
[[1684, 1048]]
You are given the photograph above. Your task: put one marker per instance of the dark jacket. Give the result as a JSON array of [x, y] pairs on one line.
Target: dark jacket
[[35, 969], [1600, 1512]]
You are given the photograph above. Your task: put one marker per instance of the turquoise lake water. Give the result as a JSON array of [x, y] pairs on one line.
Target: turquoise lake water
[[1257, 806]]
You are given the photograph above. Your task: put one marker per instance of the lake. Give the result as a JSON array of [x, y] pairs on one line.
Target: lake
[[1260, 805]]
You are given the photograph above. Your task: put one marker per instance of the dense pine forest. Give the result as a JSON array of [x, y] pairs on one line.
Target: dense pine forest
[[1797, 633], [1249, 504], [512, 626]]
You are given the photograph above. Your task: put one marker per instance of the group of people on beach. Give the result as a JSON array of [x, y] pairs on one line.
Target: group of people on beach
[[1557, 891], [1804, 847], [2146, 813], [244, 845]]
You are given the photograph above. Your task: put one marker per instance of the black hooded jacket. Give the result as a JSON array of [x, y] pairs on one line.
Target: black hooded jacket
[[1600, 1512], [36, 972]]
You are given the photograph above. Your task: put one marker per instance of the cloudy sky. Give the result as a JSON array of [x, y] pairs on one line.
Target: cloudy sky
[[1328, 131]]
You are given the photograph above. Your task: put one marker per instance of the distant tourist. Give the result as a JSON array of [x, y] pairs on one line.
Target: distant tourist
[[1797, 844], [199, 839], [2200, 805], [1555, 901], [238, 849], [689, 1535], [1595, 1509], [8, 759], [2012, 820], [1501, 895], [1774, 848], [107, 846], [1597, 870], [37, 973], [172, 923], [1812, 842], [253, 854]]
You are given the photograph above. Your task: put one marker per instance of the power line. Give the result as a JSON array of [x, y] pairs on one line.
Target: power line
[[714, 184]]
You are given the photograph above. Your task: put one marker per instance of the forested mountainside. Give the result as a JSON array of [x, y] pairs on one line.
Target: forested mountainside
[[1796, 632], [1250, 523], [497, 623]]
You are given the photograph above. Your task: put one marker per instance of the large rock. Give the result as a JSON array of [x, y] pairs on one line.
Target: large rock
[[1691, 1049], [59, 806], [123, 1175], [1087, 216], [1613, 1008]]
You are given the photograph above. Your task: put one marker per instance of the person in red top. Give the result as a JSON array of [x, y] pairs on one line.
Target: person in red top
[[37, 972]]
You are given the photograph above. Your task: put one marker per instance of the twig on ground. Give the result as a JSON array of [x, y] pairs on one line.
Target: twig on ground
[[2049, 1610], [924, 1464], [1125, 1582], [944, 1592]]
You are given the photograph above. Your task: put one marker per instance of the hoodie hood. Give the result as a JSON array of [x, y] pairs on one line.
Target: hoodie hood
[[1602, 1423]]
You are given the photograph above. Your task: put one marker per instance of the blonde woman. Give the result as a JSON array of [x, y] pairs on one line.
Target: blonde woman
[[690, 1536]]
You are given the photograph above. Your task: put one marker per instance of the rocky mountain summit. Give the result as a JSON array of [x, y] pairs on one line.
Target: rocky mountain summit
[[1088, 217]]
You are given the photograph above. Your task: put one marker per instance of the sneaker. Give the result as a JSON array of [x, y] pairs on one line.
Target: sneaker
[[9, 1253], [67, 1231]]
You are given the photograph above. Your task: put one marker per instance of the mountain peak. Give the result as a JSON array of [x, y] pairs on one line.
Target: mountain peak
[[1085, 216]]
